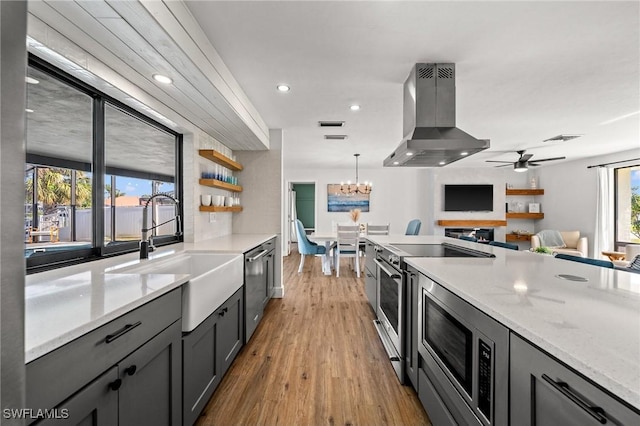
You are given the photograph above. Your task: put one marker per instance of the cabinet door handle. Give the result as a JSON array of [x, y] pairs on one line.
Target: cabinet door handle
[[562, 387], [223, 311], [115, 385], [124, 330], [131, 370]]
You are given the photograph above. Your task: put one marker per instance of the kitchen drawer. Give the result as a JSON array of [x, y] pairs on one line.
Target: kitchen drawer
[[58, 374], [370, 255]]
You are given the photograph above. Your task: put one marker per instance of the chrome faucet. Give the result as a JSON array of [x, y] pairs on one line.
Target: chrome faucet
[[146, 242]]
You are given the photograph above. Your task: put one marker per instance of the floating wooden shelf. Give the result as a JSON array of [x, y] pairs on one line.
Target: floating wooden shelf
[[525, 215], [473, 223], [233, 209], [218, 158], [220, 184], [525, 191], [518, 237]]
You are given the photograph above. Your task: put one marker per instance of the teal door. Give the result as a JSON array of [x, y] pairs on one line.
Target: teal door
[[306, 203]]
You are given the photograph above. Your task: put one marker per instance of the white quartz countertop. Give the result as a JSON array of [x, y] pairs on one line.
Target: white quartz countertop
[[63, 304], [592, 326]]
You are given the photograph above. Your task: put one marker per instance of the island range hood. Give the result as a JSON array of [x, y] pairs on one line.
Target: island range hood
[[431, 138]]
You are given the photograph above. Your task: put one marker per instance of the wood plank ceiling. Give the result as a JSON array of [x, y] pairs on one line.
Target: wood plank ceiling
[[123, 43]]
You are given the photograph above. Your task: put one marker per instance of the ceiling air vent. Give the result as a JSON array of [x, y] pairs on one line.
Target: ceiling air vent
[[335, 137], [562, 138], [331, 123]]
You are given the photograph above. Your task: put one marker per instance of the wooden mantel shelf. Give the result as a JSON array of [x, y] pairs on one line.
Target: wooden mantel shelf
[[472, 223], [525, 215]]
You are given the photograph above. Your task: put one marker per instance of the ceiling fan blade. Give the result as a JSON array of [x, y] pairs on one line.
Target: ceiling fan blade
[[532, 164], [549, 159], [525, 157], [505, 165], [493, 161]]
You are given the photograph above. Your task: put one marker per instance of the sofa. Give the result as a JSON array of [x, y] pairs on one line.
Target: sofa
[[574, 244]]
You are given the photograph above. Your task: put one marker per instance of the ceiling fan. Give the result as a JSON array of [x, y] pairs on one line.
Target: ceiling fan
[[523, 163]]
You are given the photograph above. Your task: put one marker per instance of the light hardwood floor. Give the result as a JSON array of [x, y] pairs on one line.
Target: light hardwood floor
[[315, 359]]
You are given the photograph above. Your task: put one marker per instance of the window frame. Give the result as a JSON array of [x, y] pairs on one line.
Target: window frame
[[98, 169], [619, 245]]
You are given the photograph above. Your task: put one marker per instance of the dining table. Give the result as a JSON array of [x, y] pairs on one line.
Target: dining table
[[327, 238]]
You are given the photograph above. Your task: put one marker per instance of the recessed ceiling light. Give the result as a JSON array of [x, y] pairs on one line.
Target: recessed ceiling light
[[442, 163], [354, 107], [283, 88], [162, 79], [28, 110], [464, 153], [409, 153], [31, 80], [395, 163]]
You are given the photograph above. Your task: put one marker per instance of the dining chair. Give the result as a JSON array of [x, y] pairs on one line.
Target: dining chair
[[587, 260], [413, 228], [503, 245], [347, 245], [306, 247], [378, 229], [468, 238]]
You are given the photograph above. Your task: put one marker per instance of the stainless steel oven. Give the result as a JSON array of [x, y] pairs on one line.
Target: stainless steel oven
[[389, 310], [391, 322], [464, 354]]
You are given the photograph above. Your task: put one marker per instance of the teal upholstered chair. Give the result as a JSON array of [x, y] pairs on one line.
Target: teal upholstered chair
[[587, 260], [504, 245], [306, 247], [468, 238], [414, 227]]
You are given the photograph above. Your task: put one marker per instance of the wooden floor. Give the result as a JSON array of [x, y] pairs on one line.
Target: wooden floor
[[315, 359]]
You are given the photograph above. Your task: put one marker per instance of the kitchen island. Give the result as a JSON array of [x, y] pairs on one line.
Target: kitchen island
[[591, 325]]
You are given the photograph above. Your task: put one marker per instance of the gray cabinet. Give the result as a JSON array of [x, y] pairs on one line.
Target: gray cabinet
[[95, 405], [411, 326], [370, 275], [208, 351], [139, 380], [151, 382], [546, 392]]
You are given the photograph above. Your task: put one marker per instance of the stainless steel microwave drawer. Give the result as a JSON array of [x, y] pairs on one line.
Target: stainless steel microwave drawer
[[57, 375]]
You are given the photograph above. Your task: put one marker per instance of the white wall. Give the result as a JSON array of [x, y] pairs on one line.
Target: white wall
[[394, 199], [498, 177], [569, 201]]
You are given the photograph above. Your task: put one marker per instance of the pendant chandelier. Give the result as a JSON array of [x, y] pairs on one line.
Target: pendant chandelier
[[357, 188]]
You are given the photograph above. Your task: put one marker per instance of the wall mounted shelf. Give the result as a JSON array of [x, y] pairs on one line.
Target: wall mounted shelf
[[525, 192], [211, 209], [525, 215], [214, 183], [218, 158], [472, 223], [517, 237]]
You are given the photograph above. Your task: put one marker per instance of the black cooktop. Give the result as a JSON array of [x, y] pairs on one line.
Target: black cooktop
[[435, 250]]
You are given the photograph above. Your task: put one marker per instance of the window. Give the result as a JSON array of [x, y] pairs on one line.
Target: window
[[84, 150], [627, 212]]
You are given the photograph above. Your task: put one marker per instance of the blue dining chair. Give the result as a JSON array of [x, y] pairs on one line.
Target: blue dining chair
[[503, 245], [306, 247], [414, 227], [468, 238], [587, 260]]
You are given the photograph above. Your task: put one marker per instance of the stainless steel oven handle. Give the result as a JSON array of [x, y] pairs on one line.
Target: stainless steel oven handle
[[393, 275]]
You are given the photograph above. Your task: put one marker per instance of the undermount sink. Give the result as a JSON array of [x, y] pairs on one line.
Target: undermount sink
[[214, 278]]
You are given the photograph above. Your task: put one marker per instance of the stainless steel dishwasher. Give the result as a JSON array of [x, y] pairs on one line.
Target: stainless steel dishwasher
[[256, 284]]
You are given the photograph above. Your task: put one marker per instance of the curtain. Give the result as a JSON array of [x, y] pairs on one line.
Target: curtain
[[604, 238]]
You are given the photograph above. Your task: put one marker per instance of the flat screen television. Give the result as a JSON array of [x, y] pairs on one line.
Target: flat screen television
[[468, 198]]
